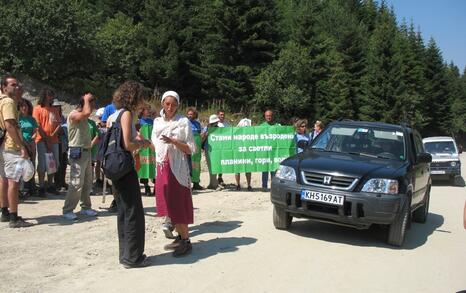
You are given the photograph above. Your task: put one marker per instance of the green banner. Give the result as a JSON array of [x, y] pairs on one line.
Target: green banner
[[147, 155], [249, 149], [196, 160]]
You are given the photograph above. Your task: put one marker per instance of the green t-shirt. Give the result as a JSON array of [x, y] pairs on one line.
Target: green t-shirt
[[93, 132], [27, 124]]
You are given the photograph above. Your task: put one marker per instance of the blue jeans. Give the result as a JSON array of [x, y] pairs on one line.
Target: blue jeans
[[265, 178]]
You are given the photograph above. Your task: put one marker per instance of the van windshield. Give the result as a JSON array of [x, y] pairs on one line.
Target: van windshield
[[440, 147], [365, 141]]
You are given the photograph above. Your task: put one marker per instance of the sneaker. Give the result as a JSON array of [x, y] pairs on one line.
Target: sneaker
[[168, 231], [20, 223], [5, 218], [184, 248], [174, 244], [144, 262], [113, 207], [88, 212], [70, 216], [238, 188], [249, 188], [196, 186]]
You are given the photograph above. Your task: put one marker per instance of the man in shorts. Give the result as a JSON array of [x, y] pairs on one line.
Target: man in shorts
[[12, 151]]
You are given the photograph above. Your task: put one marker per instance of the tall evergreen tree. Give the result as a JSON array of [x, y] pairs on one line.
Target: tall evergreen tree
[[436, 92], [382, 76], [243, 42]]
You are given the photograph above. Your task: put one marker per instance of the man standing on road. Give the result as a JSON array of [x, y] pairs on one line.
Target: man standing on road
[[79, 144], [12, 151], [221, 123], [269, 121]]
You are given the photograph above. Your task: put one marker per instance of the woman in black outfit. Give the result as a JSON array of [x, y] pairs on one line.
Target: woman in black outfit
[[131, 225]]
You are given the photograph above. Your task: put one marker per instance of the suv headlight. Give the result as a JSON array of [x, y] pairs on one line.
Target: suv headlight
[[286, 173], [453, 163], [379, 185]]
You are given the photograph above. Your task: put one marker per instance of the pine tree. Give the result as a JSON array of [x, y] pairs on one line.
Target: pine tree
[[243, 42], [436, 92], [382, 78]]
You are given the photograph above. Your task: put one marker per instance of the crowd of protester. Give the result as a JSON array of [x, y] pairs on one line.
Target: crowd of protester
[[55, 143]]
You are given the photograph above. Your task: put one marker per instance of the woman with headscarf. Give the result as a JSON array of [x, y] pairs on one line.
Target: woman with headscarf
[[173, 140]]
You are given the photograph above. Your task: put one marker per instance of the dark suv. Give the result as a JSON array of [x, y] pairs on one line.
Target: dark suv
[[356, 174]]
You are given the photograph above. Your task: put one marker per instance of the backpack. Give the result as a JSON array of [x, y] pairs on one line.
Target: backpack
[[116, 161]]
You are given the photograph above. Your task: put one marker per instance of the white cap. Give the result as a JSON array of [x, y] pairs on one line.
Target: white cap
[[56, 102], [100, 112], [171, 94], [244, 122], [28, 170], [213, 118]]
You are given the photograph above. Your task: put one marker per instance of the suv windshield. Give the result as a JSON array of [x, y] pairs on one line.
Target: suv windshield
[[364, 141], [440, 147]]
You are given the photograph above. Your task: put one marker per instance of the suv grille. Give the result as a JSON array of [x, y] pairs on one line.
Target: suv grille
[[440, 165], [329, 181]]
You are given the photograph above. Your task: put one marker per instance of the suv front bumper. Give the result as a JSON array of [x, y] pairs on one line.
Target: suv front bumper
[[360, 209]]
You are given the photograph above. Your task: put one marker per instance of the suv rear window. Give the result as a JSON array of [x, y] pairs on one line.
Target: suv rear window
[[370, 141]]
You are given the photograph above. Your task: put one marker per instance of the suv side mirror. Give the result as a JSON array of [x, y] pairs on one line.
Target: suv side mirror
[[424, 158]]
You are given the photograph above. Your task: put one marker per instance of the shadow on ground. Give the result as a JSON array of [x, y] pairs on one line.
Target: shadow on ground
[[375, 236], [202, 250], [458, 182], [214, 227]]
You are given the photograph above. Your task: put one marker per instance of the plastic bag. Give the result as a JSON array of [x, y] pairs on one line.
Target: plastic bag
[[50, 163]]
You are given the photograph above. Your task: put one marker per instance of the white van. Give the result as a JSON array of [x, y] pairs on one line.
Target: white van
[[445, 157]]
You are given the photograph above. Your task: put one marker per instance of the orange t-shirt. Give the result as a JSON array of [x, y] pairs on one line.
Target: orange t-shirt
[[48, 119]]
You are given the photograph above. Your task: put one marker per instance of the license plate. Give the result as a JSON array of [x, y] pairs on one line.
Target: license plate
[[437, 172], [322, 197]]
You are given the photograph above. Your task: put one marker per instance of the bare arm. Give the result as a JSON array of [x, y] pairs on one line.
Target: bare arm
[[11, 127], [86, 111], [128, 143]]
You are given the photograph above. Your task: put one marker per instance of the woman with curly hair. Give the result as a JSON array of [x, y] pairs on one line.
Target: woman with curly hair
[[130, 223]]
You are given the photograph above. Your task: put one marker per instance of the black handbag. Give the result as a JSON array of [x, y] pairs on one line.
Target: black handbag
[[116, 161]]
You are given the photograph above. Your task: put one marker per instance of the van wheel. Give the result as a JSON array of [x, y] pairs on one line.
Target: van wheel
[[420, 215], [281, 219], [397, 230]]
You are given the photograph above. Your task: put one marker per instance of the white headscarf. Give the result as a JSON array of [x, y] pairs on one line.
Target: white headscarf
[[171, 94]]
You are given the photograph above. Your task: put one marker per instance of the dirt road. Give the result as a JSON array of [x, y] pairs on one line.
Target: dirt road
[[236, 249]]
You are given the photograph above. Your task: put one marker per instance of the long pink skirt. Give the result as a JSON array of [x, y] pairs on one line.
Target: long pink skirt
[[172, 198]]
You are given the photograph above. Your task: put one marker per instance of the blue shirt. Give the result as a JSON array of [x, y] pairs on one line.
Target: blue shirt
[[146, 121], [108, 110], [298, 137], [196, 126]]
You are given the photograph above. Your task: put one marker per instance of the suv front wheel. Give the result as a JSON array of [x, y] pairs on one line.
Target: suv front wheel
[[397, 230], [281, 219]]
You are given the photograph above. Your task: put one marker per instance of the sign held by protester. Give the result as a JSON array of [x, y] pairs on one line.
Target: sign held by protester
[[249, 149]]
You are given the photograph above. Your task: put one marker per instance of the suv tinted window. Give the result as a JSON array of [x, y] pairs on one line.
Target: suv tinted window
[[372, 141]]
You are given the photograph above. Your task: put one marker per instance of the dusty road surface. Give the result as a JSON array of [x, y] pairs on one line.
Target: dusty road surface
[[235, 249]]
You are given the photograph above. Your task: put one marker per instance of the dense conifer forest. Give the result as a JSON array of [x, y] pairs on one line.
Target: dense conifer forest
[[313, 58]]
